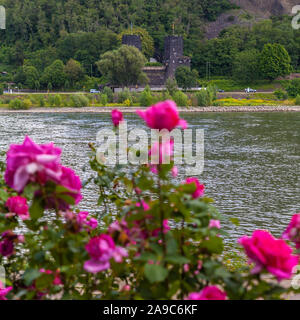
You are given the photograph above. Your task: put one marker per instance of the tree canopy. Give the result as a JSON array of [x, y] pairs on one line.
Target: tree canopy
[[123, 66]]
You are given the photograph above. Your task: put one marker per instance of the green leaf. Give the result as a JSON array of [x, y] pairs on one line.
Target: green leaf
[[30, 275], [36, 210], [177, 259], [213, 245], [155, 273], [3, 195], [44, 281]]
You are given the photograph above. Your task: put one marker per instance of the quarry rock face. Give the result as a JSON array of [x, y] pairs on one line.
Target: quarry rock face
[[256, 11], [266, 8]]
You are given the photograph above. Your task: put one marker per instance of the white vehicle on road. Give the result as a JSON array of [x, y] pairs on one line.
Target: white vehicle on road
[[249, 90], [94, 91]]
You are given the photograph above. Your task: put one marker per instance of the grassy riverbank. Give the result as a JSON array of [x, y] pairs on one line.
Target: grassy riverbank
[[133, 109]]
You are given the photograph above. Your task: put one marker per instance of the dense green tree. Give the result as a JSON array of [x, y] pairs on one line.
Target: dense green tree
[[54, 76], [274, 61], [74, 71], [186, 78], [32, 76], [293, 88], [246, 65], [123, 66]]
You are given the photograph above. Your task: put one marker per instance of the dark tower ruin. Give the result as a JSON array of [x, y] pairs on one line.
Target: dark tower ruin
[[173, 57], [132, 40]]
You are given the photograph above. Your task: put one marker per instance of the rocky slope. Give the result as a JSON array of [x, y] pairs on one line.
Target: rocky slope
[[250, 12]]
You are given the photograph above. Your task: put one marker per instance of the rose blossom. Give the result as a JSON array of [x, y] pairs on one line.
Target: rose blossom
[[30, 162], [72, 182], [7, 243], [18, 206], [144, 205], [166, 228], [200, 188], [215, 224], [84, 219], [208, 293], [270, 253], [292, 232], [57, 281], [163, 115], [4, 291], [117, 117], [101, 249], [162, 153]]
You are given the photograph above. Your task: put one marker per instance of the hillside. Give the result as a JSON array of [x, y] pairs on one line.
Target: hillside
[[249, 12], [38, 32]]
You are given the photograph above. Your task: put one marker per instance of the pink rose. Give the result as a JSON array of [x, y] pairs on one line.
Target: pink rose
[[166, 228], [18, 206], [215, 224], [292, 232], [208, 293], [163, 115], [4, 291], [117, 117], [7, 243], [270, 253], [144, 205], [101, 249], [200, 188], [83, 219], [57, 280], [30, 162], [72, 182], [77, 222], [161, 153]]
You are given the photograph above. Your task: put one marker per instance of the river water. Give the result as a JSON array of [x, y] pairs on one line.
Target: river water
[[251, 159]]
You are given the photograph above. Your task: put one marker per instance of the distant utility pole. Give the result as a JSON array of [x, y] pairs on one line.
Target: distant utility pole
[[208, 70], [131, 27]]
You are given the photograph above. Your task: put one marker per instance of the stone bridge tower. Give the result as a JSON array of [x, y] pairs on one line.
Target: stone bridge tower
[[173, 56], [132, 40]]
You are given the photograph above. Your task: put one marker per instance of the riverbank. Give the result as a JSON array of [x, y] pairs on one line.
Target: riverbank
[[133, 109]]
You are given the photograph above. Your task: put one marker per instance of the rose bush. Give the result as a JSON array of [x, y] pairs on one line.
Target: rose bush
[[151, 238]]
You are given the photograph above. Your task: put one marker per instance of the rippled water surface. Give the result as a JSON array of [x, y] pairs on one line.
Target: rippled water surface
[[251, 159]]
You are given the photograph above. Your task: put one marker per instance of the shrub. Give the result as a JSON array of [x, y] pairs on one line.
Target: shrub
[[171, 86], [17, 104], [103, 99], [181, 99], [124, 95], [51, 100], [78, 101], [146, 98], [280, 94], [109, 93], [297, 101], [1, 89], [57, 100], [159, 239], [293, 88], [206, 97], [40, 100], [128, 103], [203, 99]]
